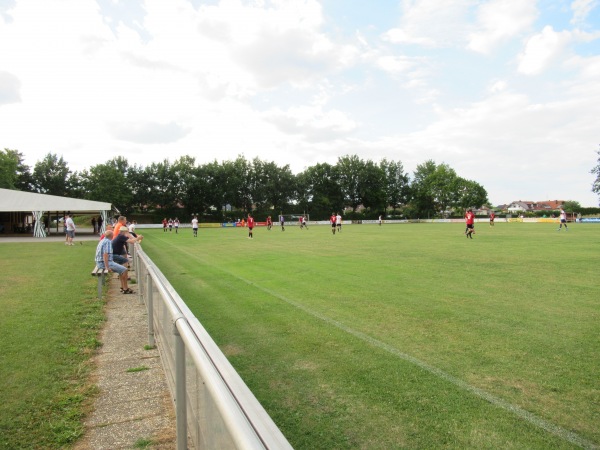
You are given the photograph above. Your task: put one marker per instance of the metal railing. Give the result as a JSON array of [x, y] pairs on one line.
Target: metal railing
[[213, 406]]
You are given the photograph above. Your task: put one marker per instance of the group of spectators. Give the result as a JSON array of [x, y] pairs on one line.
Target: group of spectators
[[112, 250]]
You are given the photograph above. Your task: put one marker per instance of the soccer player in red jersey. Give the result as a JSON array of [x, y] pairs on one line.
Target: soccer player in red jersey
[[250, 226], [492, 217], [269, 223], [470, 221], [332, 219]]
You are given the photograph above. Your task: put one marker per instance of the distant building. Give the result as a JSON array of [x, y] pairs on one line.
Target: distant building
[[528, 206]]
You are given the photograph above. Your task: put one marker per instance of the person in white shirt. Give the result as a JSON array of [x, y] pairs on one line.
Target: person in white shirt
[[70, 226], [563, 220], [195, 226]]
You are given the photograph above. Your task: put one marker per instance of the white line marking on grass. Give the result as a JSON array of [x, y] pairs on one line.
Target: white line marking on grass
[[567, 435], [563, 433]]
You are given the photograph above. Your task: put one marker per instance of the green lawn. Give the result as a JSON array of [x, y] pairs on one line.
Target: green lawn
[[49, 320], [405, 336]]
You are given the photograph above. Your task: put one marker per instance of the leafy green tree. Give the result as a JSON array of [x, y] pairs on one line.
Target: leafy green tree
[[272, 186], [9, 163], [142, 184], [238, 183], [108, 182], [301, 193], [200, 190], [261, 182], [75, 186], [161, 178], [350, 170], [470, 194], [571, 206], [428, 182], [183, 171], [323, 189], [216, 179], [396, 184], [14, 173], [51, 175], [371, 187], [596, 171]]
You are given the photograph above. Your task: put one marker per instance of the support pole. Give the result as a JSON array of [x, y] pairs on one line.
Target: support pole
[[180, 388], [150, 309]]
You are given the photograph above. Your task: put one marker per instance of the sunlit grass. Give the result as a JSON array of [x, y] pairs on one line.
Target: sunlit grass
[[393, 336]]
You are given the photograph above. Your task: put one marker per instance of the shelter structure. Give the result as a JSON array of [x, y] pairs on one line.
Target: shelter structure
[[27, 212]]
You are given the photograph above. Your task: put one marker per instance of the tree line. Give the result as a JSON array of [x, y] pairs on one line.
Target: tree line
[[212, 189]]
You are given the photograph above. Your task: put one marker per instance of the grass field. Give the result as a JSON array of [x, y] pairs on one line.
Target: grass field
[[405, 336], [49, 321]]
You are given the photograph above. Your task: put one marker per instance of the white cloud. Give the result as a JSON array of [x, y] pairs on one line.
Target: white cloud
[[542, 49], [500, 20], [148, 132], [430, 23], [581, 9], [290, 82], [312, 122], [10, 88]]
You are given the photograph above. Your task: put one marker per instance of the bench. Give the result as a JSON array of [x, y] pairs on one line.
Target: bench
[[100, 273]]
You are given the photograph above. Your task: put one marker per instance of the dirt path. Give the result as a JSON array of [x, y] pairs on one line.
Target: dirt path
[[133, 408]]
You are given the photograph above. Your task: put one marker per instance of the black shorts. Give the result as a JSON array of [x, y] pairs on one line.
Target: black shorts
[[333, 225], [470, 225]]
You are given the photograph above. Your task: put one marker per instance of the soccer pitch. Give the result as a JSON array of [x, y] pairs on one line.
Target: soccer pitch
[[405, 335]]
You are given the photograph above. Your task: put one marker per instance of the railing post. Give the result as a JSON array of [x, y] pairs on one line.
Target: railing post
[[150, 309], [100, 285], [180, 388]]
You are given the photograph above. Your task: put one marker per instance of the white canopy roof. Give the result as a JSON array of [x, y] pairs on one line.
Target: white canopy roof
[[11, 200]]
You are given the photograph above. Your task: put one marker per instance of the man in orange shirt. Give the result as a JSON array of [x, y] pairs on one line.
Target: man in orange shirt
[[121, 222]]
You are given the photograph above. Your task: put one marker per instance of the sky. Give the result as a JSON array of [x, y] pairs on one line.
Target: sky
[[506, 92]]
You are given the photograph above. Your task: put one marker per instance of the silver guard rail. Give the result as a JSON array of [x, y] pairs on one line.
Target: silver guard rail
[[213, 406]]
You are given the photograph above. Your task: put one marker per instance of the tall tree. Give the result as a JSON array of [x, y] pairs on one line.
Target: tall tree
[[273, 186], [349, 170], [470, 194], [371, 186], [238, 183], [165, 192], [75, 186], [434, 189], [9, 163], [108, 183], [323, 189], [14, 173], [572, 206], [397, 187], [143, 184], [183, 171], [51, 175], [200, 190]]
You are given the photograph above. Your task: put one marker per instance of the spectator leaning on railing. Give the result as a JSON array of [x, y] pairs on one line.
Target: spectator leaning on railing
[[104, 260], [120, 242]]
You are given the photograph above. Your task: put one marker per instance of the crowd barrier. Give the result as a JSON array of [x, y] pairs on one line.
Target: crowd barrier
[[212, 403]]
